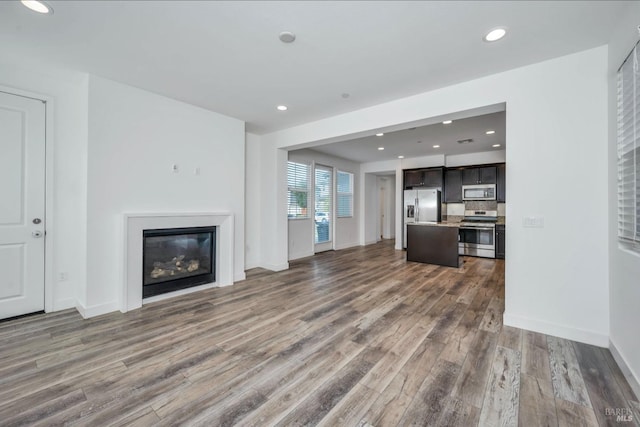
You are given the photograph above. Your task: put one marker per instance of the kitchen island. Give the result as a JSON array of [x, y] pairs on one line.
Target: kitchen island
[[433, 243]]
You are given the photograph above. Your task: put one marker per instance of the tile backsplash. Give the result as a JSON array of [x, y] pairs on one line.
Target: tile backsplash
[[457, 209], [481, 205], [453, 209]]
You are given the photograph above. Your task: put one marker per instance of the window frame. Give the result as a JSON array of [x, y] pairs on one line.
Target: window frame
[[300, 190], [341, 193], [628, 152]]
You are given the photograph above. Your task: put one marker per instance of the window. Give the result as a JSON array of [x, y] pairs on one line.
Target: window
[[297, 190], [345, 194], [629, 152]]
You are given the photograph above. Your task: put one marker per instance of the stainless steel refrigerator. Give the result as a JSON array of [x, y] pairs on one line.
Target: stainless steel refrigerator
[[421, 205]]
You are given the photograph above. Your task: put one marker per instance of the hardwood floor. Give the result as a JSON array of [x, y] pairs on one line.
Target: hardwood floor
[[357, 337]]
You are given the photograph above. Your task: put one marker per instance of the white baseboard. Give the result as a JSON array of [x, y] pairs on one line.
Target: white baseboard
[[632, 378], [299, 255], [275, 267], [370, 242], [239, 277], [346, 245], [543, 327], [96, 310]]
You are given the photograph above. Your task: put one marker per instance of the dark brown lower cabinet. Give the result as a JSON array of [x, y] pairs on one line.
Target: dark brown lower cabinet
[[432, 244], [500, 234]]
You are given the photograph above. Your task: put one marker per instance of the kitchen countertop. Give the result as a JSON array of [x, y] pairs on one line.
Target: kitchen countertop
[[454, 221], [438, 224]]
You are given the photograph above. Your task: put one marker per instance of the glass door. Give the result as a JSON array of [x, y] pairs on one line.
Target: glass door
[[323, 223]]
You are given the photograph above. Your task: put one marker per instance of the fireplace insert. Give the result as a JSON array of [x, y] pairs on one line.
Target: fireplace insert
[[177, 258]]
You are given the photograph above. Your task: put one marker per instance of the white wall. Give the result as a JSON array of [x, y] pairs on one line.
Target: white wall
[[134, 139], [273, 207], [486, 157], [557, 280], [252, 196], [66, 93], [624, 266], [345, 230], [423, 162]]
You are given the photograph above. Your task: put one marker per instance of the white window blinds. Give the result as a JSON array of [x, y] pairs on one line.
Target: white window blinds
[[345, 194], [297, 190], [629, 152]]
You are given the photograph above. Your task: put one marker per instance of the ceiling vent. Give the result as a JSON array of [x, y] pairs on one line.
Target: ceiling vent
[[465, 141]]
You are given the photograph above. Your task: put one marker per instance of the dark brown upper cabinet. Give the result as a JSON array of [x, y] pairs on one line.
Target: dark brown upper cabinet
[[453, 186], [432, 178], [413, 178], [480, 175]]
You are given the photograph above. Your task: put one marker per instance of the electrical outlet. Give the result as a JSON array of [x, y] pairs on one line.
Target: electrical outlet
[[175, 168], [63, 276]]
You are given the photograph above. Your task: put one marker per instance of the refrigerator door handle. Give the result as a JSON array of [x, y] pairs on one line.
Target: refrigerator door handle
[[417, 214]]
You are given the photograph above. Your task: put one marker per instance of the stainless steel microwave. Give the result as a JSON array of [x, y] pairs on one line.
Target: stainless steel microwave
[[479, 192]]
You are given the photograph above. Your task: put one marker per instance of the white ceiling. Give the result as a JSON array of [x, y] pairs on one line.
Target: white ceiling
[[226, 56], [419, 141]]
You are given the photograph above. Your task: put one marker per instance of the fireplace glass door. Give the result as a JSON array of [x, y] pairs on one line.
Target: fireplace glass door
[[177, 258]]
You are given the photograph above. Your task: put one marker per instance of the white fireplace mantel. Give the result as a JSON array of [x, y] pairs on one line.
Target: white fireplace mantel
[[136, 223]]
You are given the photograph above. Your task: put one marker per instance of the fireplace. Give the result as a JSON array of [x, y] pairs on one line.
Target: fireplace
[[135, 224], [177, 258]]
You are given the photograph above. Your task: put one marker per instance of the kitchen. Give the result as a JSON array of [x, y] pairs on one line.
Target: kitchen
[[425, 155], [454, 211]]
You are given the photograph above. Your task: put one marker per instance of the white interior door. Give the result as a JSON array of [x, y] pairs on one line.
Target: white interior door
[[22, 206]]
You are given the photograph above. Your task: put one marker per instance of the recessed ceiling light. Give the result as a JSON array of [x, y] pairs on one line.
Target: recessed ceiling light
[[490, 132], [401, 157], [436, 146], [496, 145], [287, 37], [282, 107], [380, 148], [38, 6], [447, 122], [495, 34], [379, 134]]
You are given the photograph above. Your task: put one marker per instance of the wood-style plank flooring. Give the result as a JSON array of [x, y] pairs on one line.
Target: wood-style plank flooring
[[357, 337]]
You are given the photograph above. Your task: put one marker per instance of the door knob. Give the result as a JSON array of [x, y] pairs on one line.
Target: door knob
[[37, 234]]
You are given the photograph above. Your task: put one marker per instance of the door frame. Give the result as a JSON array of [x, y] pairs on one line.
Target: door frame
[[49, 237], [332, 225]]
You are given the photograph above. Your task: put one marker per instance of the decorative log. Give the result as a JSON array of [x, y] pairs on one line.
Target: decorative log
[[176, 265]]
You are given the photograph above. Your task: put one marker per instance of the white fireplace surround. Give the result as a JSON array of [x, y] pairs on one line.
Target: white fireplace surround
[[136, 223]]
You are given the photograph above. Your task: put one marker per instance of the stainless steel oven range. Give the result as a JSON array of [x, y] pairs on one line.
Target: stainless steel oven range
[[477, 235]]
